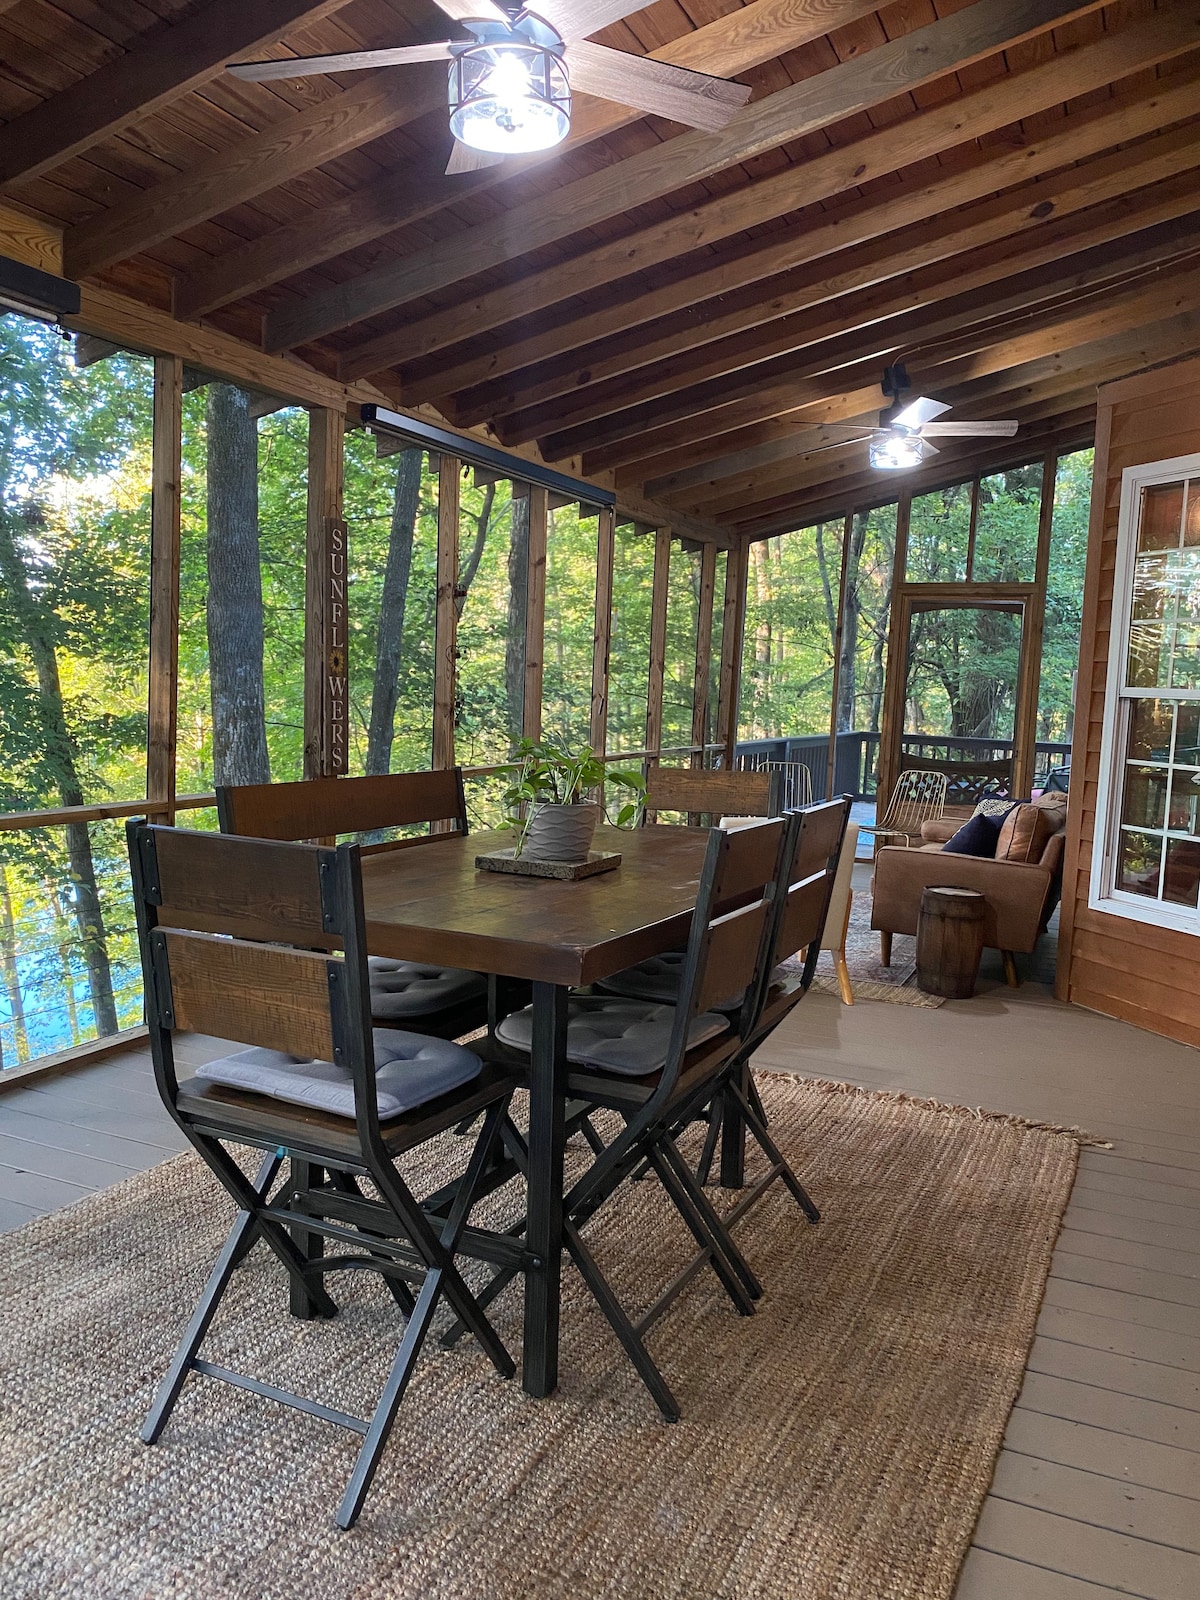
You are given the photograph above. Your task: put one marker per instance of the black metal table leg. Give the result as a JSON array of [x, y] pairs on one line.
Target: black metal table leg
[[544, 1235], [310, 1245], [733, 1138]]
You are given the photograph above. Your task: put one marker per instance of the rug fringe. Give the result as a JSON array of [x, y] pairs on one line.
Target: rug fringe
[[978, 1113]]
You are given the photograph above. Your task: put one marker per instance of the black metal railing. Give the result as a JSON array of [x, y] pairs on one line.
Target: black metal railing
[[856, 757]]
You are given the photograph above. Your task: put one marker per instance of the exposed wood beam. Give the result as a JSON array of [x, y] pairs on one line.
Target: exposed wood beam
[[855, 85], [755, 447], [1070, 431], [160, 66], [743, 39], [648, 515], [857, 390], [375, 105], [875, 331], [1165, 170], [1075, 71]]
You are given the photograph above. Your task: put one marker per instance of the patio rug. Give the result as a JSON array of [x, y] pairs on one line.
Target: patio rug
[[836, 1444]]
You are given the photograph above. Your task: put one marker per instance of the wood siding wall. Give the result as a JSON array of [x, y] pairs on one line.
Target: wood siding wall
[[1145, 975]]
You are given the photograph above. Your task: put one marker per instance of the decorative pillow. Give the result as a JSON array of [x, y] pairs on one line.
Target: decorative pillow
[[976, 837], [994, 806], [1024, 833]]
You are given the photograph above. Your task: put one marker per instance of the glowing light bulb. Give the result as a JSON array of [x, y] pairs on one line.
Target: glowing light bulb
[[897, 451], [509, 96]]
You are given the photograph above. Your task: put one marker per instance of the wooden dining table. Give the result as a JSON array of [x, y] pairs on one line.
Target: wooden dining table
[[433, 904]]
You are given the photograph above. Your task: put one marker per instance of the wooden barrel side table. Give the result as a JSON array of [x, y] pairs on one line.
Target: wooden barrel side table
[[950, 942]]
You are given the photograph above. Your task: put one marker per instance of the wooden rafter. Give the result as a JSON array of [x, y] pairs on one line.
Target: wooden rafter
[[856, 85], [163, 65]]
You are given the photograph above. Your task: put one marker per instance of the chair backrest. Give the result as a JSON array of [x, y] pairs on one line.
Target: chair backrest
[[919, 796], [795, 779], [700, 791], [811, 872], [839, 895], [730, 940], [321, 808], [227, 928]]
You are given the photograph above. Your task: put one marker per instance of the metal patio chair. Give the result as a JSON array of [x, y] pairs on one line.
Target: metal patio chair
[[919, 796], [263, 943], [795, 780], [422, 995]]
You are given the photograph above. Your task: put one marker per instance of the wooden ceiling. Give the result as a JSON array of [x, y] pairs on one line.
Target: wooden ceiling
[[1002, 193]]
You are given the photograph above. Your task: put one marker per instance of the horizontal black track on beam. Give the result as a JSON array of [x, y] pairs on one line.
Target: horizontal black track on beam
[[484, 455]]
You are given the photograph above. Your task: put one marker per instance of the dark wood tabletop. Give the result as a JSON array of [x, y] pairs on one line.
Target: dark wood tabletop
[[434, 904]]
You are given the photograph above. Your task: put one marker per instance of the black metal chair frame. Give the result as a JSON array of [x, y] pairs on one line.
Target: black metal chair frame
[[411, 1243]]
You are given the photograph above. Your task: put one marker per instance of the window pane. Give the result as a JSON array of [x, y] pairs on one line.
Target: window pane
[[1138, 860], [939, 530], [629, 654], [1185, 802], [1006, 526], [1161, 515], [1191, 521], [962, 678], [1187, 734], [1150, 730], [1145, 802], [391, 518], [1181, 876], [571, 551], [791, 628]]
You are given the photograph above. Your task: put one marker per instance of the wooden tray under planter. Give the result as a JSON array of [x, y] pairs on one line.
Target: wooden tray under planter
[[521, 866]]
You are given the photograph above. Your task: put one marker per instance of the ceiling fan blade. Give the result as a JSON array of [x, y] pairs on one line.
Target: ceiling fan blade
[[968, 430], [472, 10], [692, 98], [917, 412], [352, 61], [464, 159], [576, 19]]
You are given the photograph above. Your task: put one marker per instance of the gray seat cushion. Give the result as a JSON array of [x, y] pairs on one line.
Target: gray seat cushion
[[402, 989], [630, 1037], [410, 1069], [657, 978]]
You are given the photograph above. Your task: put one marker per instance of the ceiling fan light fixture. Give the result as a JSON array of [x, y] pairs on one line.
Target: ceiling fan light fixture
[[893, 452], [509, 93]]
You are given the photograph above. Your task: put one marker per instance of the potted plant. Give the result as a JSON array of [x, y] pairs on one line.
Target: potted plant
[[552, 800]]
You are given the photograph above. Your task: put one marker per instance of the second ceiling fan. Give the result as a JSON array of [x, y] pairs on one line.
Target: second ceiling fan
[[511, 80]]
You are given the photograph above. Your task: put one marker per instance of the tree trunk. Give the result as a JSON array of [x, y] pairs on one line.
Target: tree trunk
[[468, 568], [518, 602], [851, 612], [389, 644], [38, 630], [62, 936], [235, 606], [12, 976]]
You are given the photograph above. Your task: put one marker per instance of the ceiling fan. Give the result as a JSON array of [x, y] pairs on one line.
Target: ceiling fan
[[902, 438], [511, 80]]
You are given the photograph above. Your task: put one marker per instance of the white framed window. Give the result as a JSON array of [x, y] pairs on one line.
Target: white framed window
[[1146, 859]]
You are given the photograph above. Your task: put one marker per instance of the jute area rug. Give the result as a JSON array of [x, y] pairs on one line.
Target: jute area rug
[[836, 1444], [869, 978]]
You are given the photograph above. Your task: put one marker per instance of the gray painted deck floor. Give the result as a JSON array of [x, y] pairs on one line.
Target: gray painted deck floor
[[1097, 1490]]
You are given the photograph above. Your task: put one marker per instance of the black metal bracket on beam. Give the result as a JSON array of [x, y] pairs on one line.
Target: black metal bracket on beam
[[501, 462], [35, 293]]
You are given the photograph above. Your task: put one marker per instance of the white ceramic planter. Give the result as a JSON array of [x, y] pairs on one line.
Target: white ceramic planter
[[561, 833]]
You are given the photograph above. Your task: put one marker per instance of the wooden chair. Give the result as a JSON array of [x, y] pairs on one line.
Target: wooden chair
[[447, 1001], [321, 808], [656, 1066], [919, 796], [263, 943], [710, 794]]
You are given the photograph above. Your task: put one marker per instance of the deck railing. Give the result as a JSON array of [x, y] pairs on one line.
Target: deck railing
[[856, 758]]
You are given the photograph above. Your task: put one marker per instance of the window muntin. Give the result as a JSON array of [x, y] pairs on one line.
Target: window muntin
[[1149, 867]]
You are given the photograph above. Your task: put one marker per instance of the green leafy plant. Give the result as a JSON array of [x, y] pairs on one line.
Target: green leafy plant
[[546, 773]]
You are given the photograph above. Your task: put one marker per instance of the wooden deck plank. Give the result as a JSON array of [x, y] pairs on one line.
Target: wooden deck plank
[[1172, 1288], [1150, 1380], [1130, 1252], [1112, 1455], [1123, 1166], [1099, 1501], [14, 1215], [1079, 1550], [41, 1194], [1117, 1225], [1090, 1181], [1139, 1310], [1114, 1413], [39, 1160], [1121, 1338], [59, 1135], [986, 1576]]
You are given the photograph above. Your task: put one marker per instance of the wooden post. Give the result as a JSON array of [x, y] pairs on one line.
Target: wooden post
[[535, 613], [446, 634], [602, 633], [896, 670], [736, 573], [1034, 624], [658, 644], [704, 621], [326, 721], [165, 491], [839, 627]]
